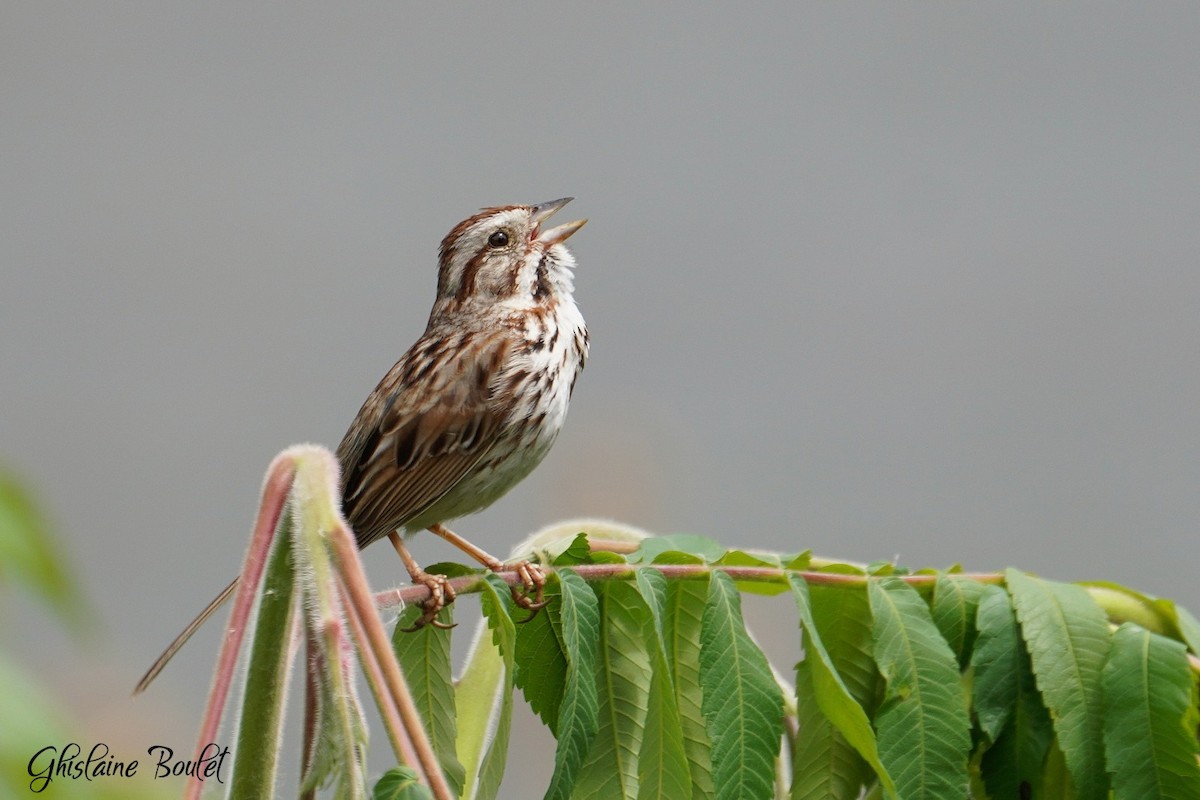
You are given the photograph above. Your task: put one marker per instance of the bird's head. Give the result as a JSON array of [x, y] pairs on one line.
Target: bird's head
[[506, 255]]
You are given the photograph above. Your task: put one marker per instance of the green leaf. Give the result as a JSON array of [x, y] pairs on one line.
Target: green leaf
[[842, 615], [484, 724], [955, 600], [824, 764], [1149, 730], [1068, 640], [1189, 628], [577, 552], [701, 546], [799, 561], [819, 679], [400, 783], [1015, 726], [638, 750], [740, 558], [682, 620], [577, 622], [30, 554], [452, 569], [997, 662], [843, 618], [742, 703], [653, 586], [623, 668], [676, 557], [923, 729], [1056, 778], [663, 769], [424, 655], [1122, 604], [541, 660]]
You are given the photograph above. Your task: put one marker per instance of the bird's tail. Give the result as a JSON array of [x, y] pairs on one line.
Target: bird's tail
[[183, 636]]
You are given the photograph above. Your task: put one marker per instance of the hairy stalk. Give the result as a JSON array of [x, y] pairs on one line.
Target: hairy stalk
[[376, 639]]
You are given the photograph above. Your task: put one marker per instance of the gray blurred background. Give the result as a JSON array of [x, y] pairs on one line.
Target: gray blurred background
[[891, 281]]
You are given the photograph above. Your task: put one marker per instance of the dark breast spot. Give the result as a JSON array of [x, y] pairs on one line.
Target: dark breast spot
[[516, 379], [541, 287]]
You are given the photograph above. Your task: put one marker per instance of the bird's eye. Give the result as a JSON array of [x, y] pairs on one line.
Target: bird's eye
[[498, 239]]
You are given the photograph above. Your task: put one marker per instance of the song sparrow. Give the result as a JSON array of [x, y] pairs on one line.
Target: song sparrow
[[475, 403]]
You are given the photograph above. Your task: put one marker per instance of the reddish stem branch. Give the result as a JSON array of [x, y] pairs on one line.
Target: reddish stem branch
[[274, 497], [401, 744], [354, 580], [598, 572]]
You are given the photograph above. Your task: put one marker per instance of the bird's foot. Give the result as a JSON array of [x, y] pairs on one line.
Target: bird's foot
[[441, 594], [533, 582]]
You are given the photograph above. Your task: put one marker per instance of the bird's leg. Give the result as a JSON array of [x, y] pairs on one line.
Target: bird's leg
[[441, 593], [533, 578]]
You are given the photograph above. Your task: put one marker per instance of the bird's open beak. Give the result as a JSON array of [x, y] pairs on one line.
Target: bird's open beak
[[560, 233]]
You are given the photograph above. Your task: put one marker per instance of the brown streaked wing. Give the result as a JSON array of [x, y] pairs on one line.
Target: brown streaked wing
[[427, 434]]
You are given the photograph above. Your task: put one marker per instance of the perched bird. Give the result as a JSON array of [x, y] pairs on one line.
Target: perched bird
[[475, 403]]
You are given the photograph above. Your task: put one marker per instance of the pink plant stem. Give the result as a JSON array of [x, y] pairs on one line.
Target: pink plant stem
[[270, 509], [355, 581], [401, 745]]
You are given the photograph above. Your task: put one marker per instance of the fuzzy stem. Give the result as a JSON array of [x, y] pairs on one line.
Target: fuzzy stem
[[264, 695], [270, 510], [402, 746], [355, 581]]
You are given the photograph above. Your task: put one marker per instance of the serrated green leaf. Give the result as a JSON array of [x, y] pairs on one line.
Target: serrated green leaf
[[577, 621], [653, 586], [955, 601], [922, 725], [540, 658], [1015, 726], [1067, 637], [484, 696], [577, 552], [700, 546], [638, 749], [400, 783], [1189, 628], [453, 569], [1149, 727], [997, 662], [623, 668], [740, 558], [682, 620], [831, 694], [842, 615], [676, 557], [424, 655], [799, 561], [824, 764], [742, 704], [663, 770]]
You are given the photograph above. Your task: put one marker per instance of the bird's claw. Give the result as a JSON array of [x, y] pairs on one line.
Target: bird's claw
[[441, 594], [533, 581]]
